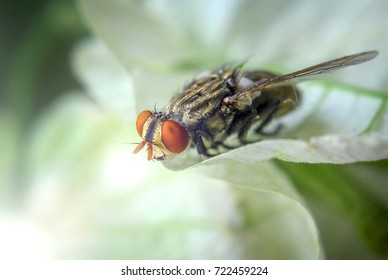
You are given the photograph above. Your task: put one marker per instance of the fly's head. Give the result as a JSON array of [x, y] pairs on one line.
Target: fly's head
[[163, 137]]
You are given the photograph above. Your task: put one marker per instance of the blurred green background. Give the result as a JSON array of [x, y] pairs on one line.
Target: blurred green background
[[36, 39]]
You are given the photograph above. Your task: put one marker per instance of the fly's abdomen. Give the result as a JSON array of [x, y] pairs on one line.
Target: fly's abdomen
[[286, 96]]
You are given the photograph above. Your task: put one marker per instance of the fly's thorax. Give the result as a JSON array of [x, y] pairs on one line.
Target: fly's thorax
[[163, 136], [200, 101], [201, 114], [219, 125]]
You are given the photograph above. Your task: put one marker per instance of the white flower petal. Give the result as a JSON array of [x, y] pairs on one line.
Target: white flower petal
[[336, 125], [104, 78], [272, 210], [197, 34], [135, 32], [276, 227], [90, 206], [347, 149]]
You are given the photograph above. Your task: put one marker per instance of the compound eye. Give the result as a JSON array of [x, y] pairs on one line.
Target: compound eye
[[174, 136], [141, 119]]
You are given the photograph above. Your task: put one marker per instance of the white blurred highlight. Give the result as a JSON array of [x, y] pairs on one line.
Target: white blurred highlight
[[22, 239]]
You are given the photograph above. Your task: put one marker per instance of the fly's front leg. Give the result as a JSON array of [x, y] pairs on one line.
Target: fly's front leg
[[198, 137], [241, 122]]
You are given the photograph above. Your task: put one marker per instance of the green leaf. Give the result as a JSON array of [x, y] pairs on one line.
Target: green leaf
[[350, 203]]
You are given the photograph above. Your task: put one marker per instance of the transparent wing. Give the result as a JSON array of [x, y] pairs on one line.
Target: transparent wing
[[308, 72]]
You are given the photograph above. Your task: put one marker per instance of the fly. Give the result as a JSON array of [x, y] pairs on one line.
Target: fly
[[226, 104]]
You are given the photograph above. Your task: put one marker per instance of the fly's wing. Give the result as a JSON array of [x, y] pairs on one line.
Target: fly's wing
[[325, 67]]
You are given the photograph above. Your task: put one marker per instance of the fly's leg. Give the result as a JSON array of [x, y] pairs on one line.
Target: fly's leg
[[268, 117], [199, 144], [249, 119], [242, 124], [247, 124]]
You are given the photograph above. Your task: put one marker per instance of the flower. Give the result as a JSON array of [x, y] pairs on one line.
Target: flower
[[90, 197]]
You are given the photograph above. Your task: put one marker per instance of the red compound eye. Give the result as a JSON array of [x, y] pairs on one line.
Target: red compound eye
[[141, 119], [174, 136]]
